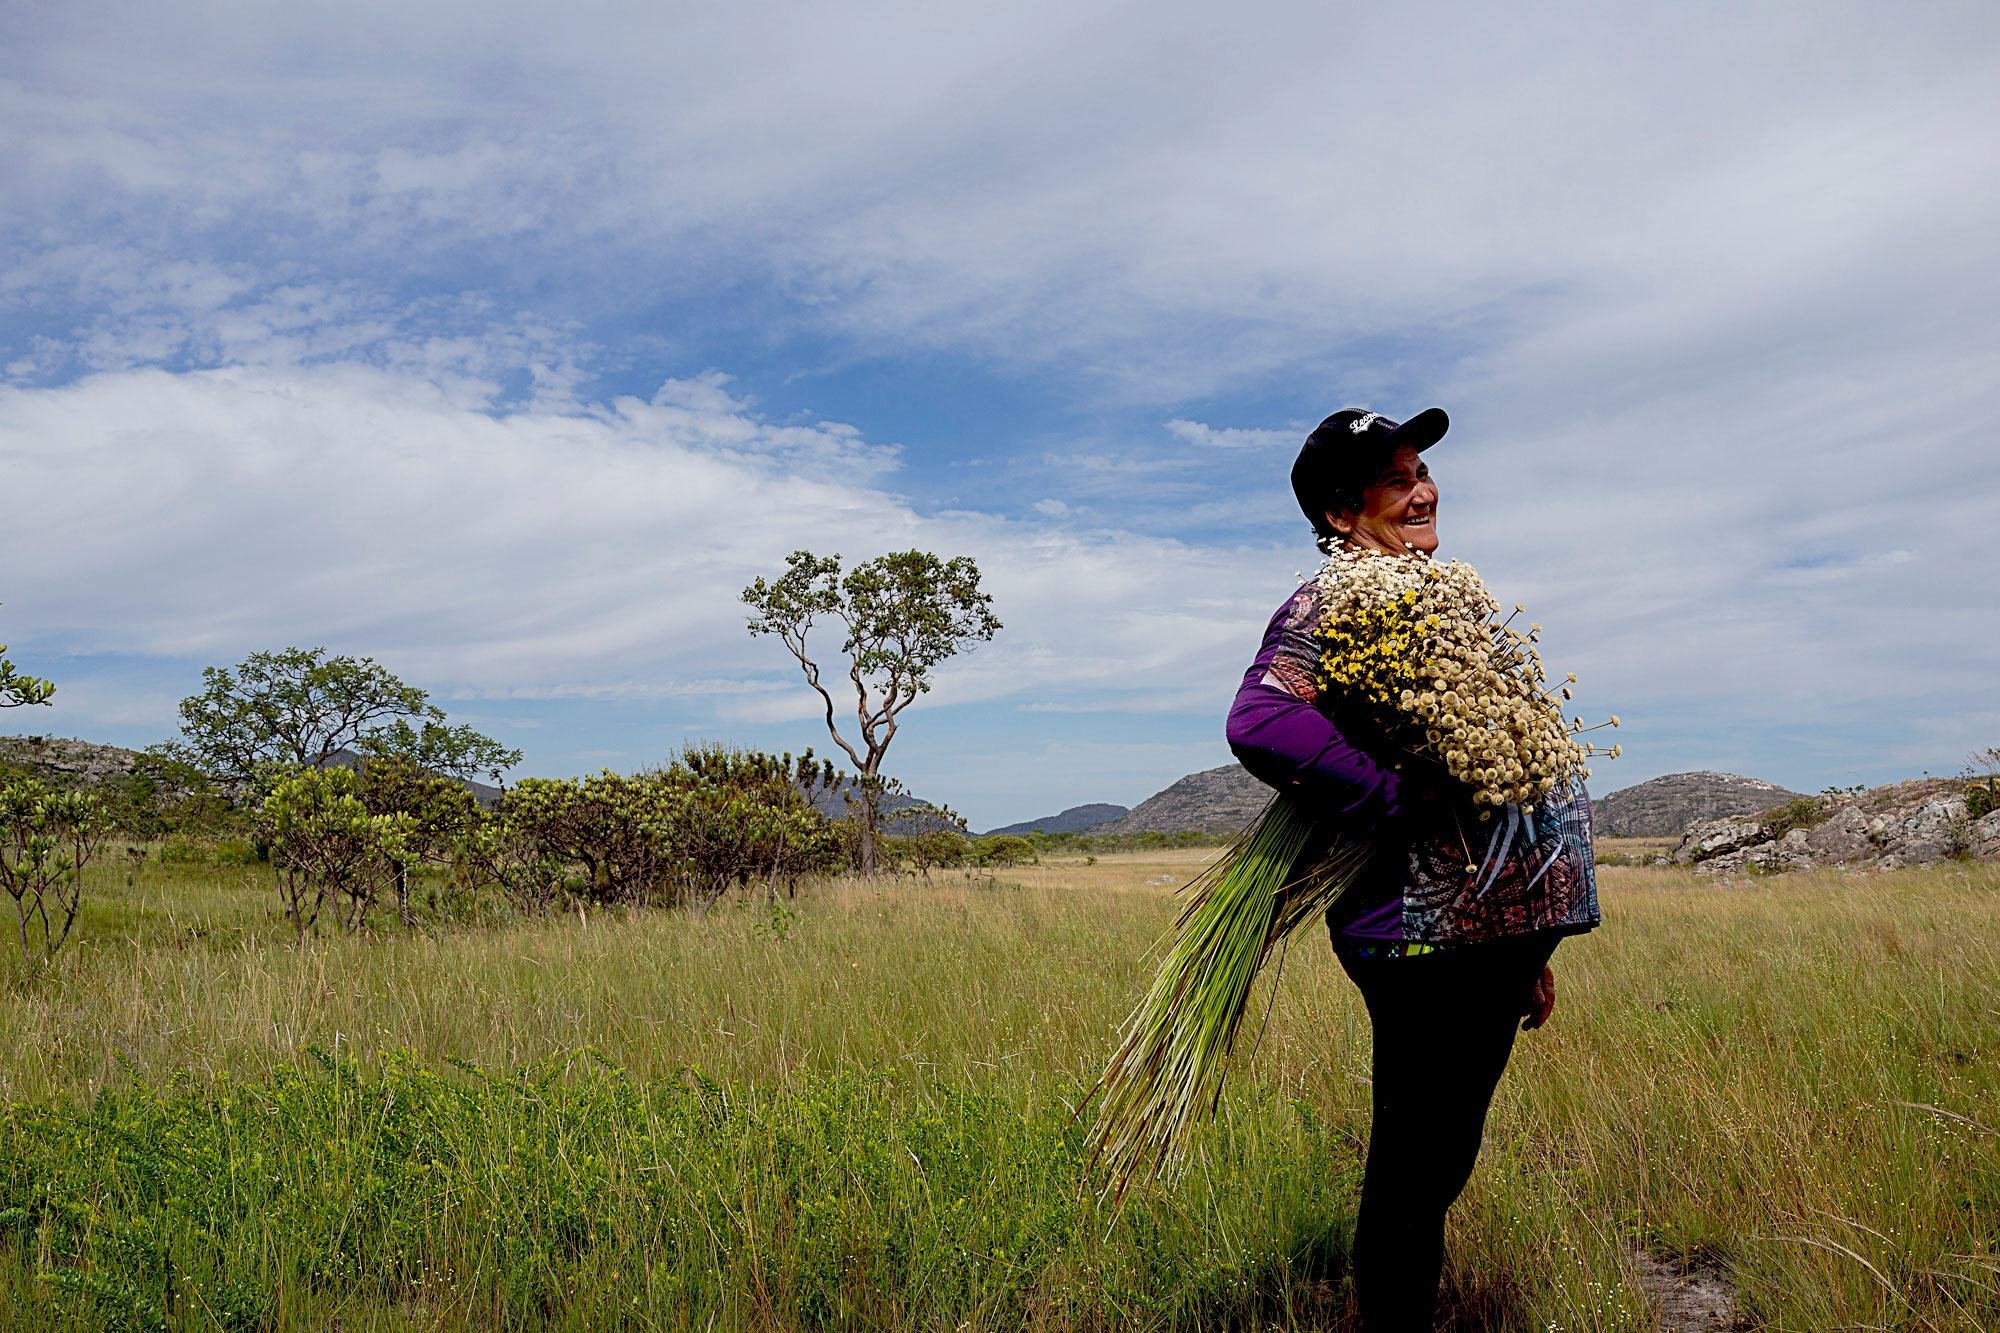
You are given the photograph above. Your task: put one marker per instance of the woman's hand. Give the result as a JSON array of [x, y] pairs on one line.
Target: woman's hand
[[1541, 1001]]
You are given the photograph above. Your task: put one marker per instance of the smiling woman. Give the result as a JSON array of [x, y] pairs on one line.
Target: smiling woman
[[1446, 976]]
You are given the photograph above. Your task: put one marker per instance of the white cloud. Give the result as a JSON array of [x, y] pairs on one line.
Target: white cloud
[[1164, 213], [1232, 437], [535, 553]]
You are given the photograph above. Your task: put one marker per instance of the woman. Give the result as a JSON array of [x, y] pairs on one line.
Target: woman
[[1449, 935]]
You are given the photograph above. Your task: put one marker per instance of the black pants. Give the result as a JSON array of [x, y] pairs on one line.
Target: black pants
[[1444, 1026]]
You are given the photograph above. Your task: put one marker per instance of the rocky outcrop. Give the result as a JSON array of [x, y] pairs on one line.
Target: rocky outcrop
[[1073, 820], [1906, 824], [1216, 800], [1666, 806], [1713, 838], [66, 763]]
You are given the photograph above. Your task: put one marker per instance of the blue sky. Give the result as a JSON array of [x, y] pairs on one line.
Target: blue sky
[[506, 344]]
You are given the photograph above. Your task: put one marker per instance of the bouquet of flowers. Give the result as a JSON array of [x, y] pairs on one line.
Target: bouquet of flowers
[[1419, 651]]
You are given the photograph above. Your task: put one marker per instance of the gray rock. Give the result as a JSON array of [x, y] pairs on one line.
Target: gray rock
[[1905, 824], [1843, 836], [1715, 838], [1985, 836], [1934, 830], [1763, 858], [66, 762]]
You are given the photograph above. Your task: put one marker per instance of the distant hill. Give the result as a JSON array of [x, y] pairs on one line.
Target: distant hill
[[1224, 800], [1073, 820], [1666, 806], [1217, 800]]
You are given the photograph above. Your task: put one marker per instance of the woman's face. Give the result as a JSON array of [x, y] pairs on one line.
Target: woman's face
[[1398, 508]]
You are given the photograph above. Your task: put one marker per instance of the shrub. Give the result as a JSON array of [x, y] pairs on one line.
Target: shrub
[[1047, 844], [163, 796], [1805, 812], [686, 834], [47, 836], [439, 813], [1006, 849], [601, 832], [1982, 783], [934, 849], [326, 844]]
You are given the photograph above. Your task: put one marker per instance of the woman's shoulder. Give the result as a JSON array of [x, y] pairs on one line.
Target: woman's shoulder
[[1301, 609], [1291, 644]]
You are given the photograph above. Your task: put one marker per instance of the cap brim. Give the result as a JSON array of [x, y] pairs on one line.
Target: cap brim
[[1421, 431]]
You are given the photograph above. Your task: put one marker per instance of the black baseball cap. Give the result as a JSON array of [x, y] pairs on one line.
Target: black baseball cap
[[1348, 445]]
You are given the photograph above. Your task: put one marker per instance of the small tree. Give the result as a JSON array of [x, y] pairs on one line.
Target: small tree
[[326, 844], [301, 707], [505, 853], [903, 613], [47, 836]]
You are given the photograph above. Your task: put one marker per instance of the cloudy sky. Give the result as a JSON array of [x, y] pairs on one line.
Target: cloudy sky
[[505, 344]]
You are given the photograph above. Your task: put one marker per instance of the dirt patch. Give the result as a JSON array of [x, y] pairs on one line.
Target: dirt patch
[[1694, 1300]]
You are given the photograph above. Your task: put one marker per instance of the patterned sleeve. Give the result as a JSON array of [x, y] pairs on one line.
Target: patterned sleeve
[[1291, 647]]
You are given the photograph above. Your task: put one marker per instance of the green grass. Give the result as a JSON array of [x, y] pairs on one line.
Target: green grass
[[861, 1118]]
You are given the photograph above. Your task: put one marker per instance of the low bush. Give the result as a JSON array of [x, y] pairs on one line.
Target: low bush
[[1805, 812], [1981, 781], [685, 834], [1151, 840], [1005, 849]]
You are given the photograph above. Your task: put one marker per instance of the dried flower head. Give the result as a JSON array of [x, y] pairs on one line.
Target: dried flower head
[[1420, 643]]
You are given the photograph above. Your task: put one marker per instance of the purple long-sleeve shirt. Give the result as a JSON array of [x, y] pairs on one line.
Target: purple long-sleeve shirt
[[1278, 731]]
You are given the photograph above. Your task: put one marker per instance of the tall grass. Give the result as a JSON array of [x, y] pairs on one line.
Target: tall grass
[[860, 1115]]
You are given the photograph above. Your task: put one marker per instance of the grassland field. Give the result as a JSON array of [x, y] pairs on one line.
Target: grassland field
[[855, 1111]]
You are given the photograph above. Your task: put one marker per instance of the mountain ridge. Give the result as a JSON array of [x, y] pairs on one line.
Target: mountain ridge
[[1076, 819]]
